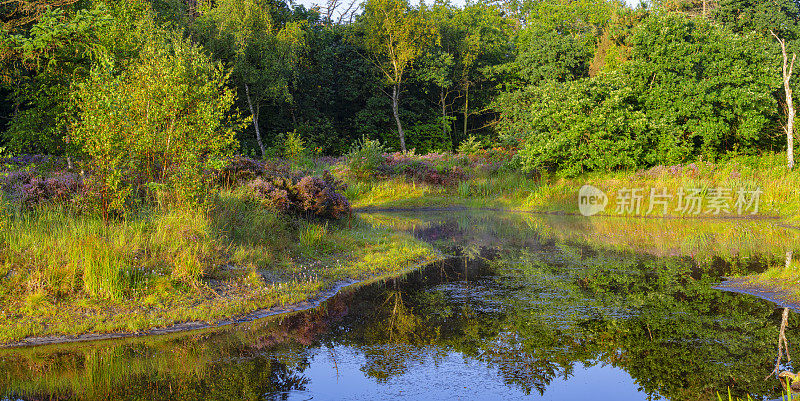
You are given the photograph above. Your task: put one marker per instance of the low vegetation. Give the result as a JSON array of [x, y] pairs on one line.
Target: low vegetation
[[67, 270], [494, 178]]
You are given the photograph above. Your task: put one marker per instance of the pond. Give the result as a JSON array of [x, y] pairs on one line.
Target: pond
[[526, 307]]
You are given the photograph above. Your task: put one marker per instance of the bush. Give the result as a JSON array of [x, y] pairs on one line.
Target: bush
[[161, 120], [470, 146], [320, 198], [690, 89], [32, 162], [309, 195], [239, 169], [275, 192], [294, 147], [433, 168], [30, 190], [365, 157]]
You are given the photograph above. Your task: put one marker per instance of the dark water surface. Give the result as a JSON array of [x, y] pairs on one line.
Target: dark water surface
[[528, 307]]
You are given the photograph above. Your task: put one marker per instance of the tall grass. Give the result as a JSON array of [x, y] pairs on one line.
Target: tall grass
[[512, 189], [787, 396], [64, 272], [767, 172], [509, 189]]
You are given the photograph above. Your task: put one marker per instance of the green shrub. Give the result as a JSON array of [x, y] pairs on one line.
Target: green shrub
[[365, 157], [470, 146], [707, 96], [295, 147], [163, 119]]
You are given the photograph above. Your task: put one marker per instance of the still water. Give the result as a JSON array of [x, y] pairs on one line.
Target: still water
[[526, 308]]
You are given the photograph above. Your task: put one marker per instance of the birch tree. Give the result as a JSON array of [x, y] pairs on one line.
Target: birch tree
[[787, 76], [263, 54], [394, 36]]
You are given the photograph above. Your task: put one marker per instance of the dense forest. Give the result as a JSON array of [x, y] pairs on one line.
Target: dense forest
[[576, 86]]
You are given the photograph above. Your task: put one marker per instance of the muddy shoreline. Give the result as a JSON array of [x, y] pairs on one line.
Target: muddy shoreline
[[744, 285], [187, 326], [308, 304]]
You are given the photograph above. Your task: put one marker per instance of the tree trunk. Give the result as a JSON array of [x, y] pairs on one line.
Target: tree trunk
[[787, 76], [396, 112], [254, 112], [789, 123], [466, 109], [442, 99]]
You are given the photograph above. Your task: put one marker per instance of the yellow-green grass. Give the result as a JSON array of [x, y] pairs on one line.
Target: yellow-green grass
[[517, 191], [64, 273], [781, 279], [509, 191], [700, 239], [787, 396], [768, 172]]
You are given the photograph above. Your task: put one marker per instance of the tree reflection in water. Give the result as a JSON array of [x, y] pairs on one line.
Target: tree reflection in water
[[529, 300]]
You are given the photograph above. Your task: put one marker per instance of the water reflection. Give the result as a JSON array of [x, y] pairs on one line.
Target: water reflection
[[529, 307]]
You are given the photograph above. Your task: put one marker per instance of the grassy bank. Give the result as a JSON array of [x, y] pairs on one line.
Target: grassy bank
[[66, 273], [63, 271], [513, 189]]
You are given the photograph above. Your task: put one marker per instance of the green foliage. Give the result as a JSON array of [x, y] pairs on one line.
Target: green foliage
[[690, 90], [559, 41], [549, 55], [294, 147], [744, 16], [657, 85], [262, 52], [40, 65], [395, 36], [470, 146], [365, 156], [163, 119]]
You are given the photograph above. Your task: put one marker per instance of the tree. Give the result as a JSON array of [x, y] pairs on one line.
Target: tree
[[15, 14], [559, 40], [695, 8], [787, 76], [163, 120], [436, 68], [483, 37], [690, 89], [262, 53], [471, 40], [394, 36], [39, 62]]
